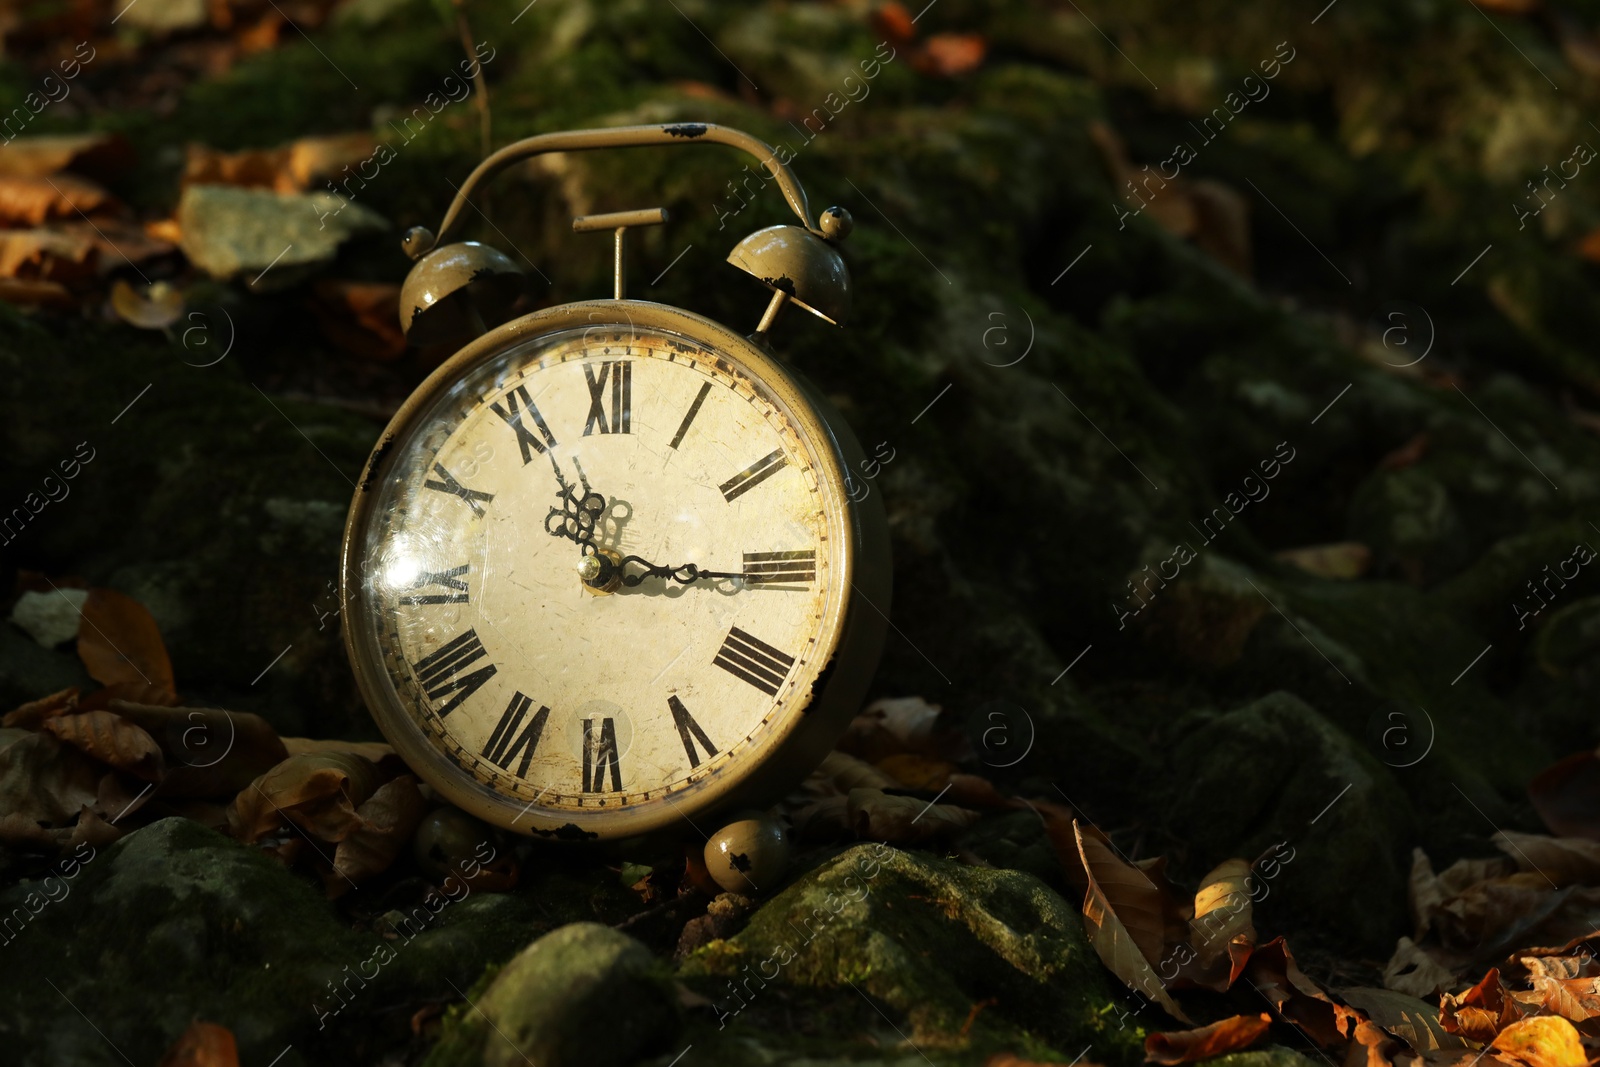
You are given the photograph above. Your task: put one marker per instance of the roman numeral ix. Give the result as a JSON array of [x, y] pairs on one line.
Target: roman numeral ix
[[440, 673], [689, 731], [600, 752], [513, 416], [753, 660], [620, 374], [752, 476], [448, 484], [452, 579], [502, 749], [773, 568]]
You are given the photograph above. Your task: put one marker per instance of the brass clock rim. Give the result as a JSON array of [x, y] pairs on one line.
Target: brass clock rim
[[794, 748]]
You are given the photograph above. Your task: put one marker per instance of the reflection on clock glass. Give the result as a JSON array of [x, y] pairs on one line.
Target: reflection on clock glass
[[660, 463]]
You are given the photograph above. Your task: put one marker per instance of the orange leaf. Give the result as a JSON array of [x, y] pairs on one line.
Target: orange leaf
[[894, 22], [30, 201], [28, 716], [209, 752], [203, 1045], [112, 740], [1221, 1037], [949, 54], [1273, 972], [1222, 930], [120, 644], [318, 793], [1127, 955], [1543, 1041]]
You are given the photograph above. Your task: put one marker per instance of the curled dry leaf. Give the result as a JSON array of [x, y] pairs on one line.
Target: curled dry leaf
[[1567, 796], [1226, 1035], [879, 816], [1413, 1021], [839, 772], [388, 819], [1564, 986], [31, 201], [150, 307], [1272, 970], [203, 1045], [891, 725], [29, 716], [112, 740], [1413, 970], [209, 752], [1127, 951], [1562, 860], [1222, 932], [121, 647], [318, 793], [362, 318], [1542, 1041], [46, 781]]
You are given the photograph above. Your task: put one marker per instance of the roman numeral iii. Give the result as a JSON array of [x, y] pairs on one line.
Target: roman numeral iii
[[599, 753], [513, 416], [619, 372], [452, 579], [502, 749], [752, 476], [441, 673], [448, 484], [754, 661], [775, 568], [689, 731]]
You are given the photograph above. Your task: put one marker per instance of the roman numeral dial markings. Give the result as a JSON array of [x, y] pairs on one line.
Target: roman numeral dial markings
[[445, 672], [599, 755], [775, 568], [505, 744], [453, 580], [753, 475], [753, 660], [448, 484], [690, 731], [619, 373], [694, 409], [513, 414]]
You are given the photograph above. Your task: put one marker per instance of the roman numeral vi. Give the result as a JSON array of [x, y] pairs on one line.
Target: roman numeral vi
[[600, 752]]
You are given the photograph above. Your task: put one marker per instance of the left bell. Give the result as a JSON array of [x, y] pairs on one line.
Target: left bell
[[458, 292]]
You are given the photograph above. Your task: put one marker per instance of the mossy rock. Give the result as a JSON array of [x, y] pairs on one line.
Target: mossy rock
[[957, 960]]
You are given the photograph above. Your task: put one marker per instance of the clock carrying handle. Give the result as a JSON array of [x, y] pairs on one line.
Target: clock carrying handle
[[620, 137]]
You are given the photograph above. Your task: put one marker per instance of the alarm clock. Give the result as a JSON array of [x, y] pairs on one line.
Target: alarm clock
[[604, 574]]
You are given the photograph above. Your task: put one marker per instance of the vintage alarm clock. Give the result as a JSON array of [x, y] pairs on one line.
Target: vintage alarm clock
[[604, 575]]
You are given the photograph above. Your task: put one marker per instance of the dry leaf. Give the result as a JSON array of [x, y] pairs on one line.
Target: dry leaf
[[946, 55], [1563, 860], [891, 725], [362, 318], [1567, 796], [1543, 1041], [121, 647], [878, 816], [1413, 1021], [893, 21], [203, 1045], [1222, 931], [35, 294], [47, 256], [30, 201], [152, 307], [209, 752], [389, 819], [30, 715], [1126, 955], [1273, 972], [376, 751], [839, 772], [318, 793], [1565, 986], [112, 740], [1412, 970], [46, 781], [98, 154], [1482, 1011], [943, 777], [1226, 1035], [1339, 561], [290, 168]]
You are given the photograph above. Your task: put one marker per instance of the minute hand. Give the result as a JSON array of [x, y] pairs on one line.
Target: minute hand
[[687, 574]]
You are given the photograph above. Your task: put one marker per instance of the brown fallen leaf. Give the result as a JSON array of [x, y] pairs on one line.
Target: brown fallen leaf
[[945, 55], [318, 793], [840, 772], [1127, 954], [892, 725], [29, 716], [1340, 561], [42, 256], [151, 307], [25, 293], [362, 318], [289, 168], [46, 781], [1542, 1041], [112, 740], [388, 820], [941, 776], [104, 155], [1565, 986], [30, 201], [1273, 972], [878, 816], [376, 751], [1222, 931], [893, 21], [1567, 796], [119, 244], [1414, 971], [1412, 1020], [1562, 860], [209, 752], [203, 1045], [1219, 1038], [120, 645]]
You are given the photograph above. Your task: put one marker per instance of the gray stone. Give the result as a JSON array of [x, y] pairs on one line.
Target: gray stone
[[50, 618]]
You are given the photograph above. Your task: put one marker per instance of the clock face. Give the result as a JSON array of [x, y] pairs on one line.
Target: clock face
[[614, 708]]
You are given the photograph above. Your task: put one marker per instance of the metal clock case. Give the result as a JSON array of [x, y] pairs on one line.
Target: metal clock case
[[603, 575]]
